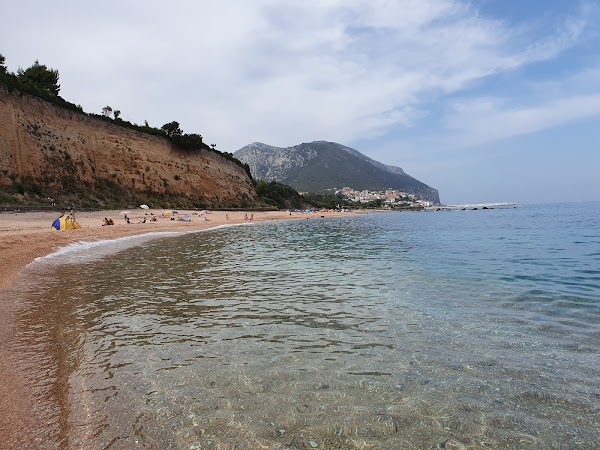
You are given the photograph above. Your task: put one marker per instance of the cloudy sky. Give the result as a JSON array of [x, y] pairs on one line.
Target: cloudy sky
[[486, 100]]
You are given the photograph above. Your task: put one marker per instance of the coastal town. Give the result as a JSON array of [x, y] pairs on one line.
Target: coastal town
[[389, 197], [395, 199]]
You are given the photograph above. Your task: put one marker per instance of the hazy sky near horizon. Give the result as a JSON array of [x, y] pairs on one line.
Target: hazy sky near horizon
[[488, 100]]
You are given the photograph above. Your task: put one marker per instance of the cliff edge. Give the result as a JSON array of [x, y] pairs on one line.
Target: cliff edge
[[61, 152]]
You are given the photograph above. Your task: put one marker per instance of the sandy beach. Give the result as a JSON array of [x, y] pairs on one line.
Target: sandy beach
[[25, 236]]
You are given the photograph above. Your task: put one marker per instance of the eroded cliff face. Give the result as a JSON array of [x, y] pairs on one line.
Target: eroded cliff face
[[57, 149]]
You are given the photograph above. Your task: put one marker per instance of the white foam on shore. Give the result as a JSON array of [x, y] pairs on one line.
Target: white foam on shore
[[84, 251]]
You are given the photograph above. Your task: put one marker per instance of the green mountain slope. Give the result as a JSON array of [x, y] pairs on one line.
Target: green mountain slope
[[317, 166]]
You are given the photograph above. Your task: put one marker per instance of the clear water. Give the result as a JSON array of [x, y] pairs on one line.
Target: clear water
[[450, 329]]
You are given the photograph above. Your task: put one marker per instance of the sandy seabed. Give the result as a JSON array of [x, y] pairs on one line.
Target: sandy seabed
[[25, 236]]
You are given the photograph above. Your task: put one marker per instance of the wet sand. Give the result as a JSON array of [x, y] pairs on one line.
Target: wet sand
[[25, 236]]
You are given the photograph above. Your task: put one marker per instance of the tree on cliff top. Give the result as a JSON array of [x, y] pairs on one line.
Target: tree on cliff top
[[2, 61], [172, 129], [41, 77]]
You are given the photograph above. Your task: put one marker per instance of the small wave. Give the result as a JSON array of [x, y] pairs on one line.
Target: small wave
[[84, 251], [91, 250]]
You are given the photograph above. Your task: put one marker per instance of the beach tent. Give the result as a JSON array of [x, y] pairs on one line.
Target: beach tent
[[65, 223]]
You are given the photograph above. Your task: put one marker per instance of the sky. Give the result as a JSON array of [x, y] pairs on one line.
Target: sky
[[485, 100]]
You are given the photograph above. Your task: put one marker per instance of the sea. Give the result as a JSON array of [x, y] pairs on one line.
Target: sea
[[451, 329]]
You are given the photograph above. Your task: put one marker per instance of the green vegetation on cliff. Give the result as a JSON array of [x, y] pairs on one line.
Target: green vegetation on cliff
[[279, 195], [42, 82]]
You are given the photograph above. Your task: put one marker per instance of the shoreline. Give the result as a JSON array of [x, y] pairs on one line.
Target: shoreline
[[26, 236]]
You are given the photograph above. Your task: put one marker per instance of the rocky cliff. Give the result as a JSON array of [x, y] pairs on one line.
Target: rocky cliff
[[61, 151]]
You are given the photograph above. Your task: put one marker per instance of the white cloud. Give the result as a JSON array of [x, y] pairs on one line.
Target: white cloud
[[481, 120], [280, 72]]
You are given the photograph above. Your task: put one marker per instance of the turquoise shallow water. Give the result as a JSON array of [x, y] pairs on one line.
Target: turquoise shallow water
[[395, 330]]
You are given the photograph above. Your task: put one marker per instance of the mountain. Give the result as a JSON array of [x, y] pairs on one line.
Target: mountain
[[320, 165]]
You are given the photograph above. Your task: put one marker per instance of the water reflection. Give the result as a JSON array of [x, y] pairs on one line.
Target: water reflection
[[282, 336]]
